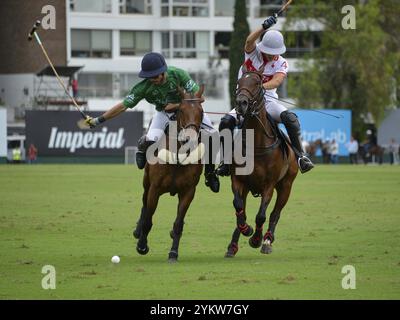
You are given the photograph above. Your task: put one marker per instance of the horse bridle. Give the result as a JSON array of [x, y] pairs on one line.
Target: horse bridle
[[191, 124], [255, 102]]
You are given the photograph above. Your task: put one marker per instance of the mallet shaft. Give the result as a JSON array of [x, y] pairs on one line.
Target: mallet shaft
[[283, 8], [56, 73]]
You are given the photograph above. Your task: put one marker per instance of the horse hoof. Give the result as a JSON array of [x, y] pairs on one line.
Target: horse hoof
[[136, 234], [255, 242], [142, 251], [266, 249], [232, 250], [172, 260], [173, 255]]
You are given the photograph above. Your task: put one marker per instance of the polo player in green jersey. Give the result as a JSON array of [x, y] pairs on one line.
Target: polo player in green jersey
[[160, 88]]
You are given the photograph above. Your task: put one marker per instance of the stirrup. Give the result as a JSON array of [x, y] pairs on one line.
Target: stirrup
[[223, 170], [304, 164], [212, 181]]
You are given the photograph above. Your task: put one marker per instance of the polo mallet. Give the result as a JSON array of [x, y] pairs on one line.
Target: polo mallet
[[34, 33], [284, 7]]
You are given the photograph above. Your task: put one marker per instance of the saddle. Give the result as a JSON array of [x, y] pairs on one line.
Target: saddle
[[282, 140]]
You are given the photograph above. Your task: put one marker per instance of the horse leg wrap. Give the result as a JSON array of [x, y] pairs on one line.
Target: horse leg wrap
[[240, 218], [233, 248], [242, 225], [269, 236]]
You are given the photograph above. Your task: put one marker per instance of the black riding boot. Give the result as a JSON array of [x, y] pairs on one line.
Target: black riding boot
[[141, 153], [212, 180], [289, 119], [227, 122]]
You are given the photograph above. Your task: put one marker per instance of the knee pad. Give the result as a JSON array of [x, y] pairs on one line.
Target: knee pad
[[227, 122], [290, 120]]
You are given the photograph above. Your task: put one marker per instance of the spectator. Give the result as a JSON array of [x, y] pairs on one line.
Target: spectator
[[16, 155], [74, 86], [334, 150], [352, 147], [393, 151], [326, 151], [32, 154]]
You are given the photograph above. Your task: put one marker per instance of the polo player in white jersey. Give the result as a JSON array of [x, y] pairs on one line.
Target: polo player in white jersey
[[268, 53]]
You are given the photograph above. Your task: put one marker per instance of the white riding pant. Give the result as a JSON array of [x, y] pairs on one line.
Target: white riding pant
[[273, 108], [161, 120]]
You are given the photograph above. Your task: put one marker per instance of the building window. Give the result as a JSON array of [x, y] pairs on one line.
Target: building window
[[221, 41], [299, 43], [185, 44], [213, 83], [127, 81], [90, 43], [92, 85], [184, 8], [90, 6], [135, 6], [135, 43], [226, 8]]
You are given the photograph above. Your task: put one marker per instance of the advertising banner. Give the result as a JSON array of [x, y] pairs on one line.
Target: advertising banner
[[63, 133], [315, 125]]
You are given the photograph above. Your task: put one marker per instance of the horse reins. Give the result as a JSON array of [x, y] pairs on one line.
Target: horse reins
[[256, 103], [190, 125]]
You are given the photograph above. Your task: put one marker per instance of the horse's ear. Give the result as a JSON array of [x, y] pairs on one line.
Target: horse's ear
[[200, 92], [181, 92]]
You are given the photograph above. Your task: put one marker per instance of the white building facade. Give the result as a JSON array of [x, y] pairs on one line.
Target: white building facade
[[109, 38]]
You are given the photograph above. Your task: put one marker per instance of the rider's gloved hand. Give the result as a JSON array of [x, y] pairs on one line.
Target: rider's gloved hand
[[269, 22], [93, 122]]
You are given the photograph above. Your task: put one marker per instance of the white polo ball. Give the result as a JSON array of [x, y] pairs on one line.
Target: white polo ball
[[115, 259]]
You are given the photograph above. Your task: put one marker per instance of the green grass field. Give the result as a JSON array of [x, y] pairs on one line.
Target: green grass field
[[76, 217]]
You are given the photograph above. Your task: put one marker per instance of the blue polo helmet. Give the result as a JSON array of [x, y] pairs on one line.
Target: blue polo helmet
[[153, 64]]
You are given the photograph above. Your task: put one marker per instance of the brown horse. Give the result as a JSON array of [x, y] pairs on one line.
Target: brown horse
[[275, 166], [375, 153], [178, 179], [313, 147]]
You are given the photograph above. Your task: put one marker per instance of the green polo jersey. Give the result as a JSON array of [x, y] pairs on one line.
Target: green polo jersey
[[161, 95]]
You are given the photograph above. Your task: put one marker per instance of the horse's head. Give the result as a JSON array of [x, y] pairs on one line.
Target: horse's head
[[190, 115], [249, 91]]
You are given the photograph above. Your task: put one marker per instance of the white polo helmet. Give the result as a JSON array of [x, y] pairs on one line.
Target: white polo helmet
[[272, 43]]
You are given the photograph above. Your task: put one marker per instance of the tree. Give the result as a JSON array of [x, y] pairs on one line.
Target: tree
[[354, 68], [236, 46]]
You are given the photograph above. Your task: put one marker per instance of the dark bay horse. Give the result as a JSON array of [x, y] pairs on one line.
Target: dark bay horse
[[274, 168], [313, 147], [160, 178], [375, 154]]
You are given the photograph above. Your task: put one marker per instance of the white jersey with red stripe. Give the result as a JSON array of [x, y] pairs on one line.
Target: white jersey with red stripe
[[255, 60]]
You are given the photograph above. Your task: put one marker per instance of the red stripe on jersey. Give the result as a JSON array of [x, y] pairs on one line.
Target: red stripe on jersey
[[267, 78], [249, 65]]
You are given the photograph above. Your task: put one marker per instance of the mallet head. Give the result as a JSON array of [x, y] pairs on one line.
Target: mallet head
[[35, 26]]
